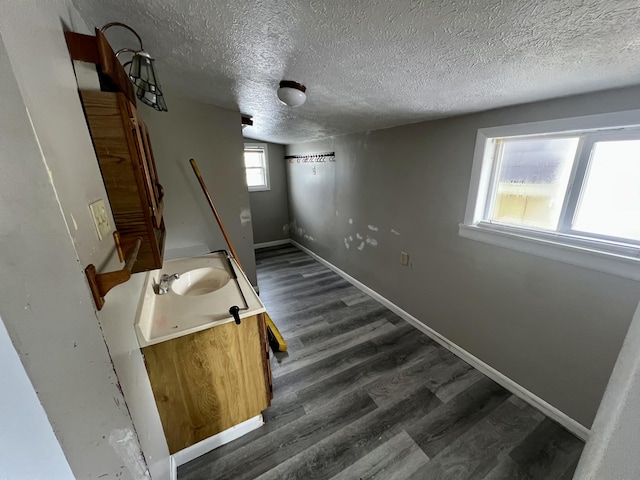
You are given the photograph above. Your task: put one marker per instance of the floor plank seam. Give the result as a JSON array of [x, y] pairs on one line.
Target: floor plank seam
[[362, 394]]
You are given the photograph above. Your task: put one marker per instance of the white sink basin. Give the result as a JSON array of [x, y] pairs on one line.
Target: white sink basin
[[200, 281], [199, 299]]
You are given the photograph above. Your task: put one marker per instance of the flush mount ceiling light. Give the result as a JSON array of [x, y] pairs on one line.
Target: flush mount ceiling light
[[142, 72], [292, 93]]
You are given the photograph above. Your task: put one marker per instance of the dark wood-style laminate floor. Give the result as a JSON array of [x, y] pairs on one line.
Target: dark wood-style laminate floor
[[361, 394]]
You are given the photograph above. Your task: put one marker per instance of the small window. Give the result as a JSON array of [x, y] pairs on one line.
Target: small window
[[577, 191], [256, 165], [532, 176]]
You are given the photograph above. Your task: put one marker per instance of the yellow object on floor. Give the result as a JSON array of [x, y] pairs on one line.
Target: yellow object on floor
[[276, 341]]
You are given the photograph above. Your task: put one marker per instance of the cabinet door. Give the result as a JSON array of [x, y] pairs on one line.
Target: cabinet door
[[158, 190], [147, 165], [119, 146], [208, 381]]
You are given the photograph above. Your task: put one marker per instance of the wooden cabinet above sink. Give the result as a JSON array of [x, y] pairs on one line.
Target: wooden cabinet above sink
[[123, 148]]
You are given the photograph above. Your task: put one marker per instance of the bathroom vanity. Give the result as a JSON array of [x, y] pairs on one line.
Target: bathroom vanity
[[208, 373]]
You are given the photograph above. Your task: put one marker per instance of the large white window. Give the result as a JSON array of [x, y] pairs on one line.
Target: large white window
[[256, 163], [564, 189]]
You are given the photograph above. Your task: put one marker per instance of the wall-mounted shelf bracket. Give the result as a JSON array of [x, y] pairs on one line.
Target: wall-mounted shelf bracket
[[101, 283]]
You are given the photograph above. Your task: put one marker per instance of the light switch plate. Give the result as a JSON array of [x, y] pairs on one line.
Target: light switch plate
[[100, 218], [404, 258]]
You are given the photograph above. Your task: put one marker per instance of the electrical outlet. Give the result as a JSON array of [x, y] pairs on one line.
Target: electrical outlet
[[100, 218], [404, 258]]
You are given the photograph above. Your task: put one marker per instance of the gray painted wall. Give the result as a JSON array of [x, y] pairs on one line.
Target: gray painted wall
[[270, 209], [117, 319], [612, 449], [47, 237], [28, 447], [213, 137], [553, 328]]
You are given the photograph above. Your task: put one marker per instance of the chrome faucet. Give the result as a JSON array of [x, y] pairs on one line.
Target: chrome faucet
[[165, 282]]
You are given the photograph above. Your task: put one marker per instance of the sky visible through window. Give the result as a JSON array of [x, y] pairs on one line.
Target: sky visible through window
[[610, 200], [533, 184]]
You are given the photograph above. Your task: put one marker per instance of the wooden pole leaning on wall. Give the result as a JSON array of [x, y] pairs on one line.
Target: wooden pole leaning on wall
[[196, 170], [275, 339]]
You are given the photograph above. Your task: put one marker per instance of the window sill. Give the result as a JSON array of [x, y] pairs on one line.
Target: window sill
[[562, 251], [259, 189]]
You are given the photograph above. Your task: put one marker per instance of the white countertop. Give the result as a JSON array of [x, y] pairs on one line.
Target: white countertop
[[164, 317]]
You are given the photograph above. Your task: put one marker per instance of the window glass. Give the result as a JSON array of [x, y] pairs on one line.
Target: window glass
[[532, 181], [566, 189], [253, 158], [255, 177], [256, 167], [610, 199]]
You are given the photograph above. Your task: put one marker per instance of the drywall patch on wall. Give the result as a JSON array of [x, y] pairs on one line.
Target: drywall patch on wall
[[351, 221], [575, 303], [372, 241], [295, 229], [361, 246], [359, 237], [395, 232], [346, 243], [125, 443], [245, 216], [373, 228]]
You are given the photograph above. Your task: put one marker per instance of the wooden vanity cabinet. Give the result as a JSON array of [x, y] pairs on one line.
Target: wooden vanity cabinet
[[209, 381], [123, 148]]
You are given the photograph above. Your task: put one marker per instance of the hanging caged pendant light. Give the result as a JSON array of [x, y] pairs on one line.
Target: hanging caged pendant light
[[142, 72]]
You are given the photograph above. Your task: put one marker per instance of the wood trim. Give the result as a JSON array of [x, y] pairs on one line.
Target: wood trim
[[87, 48], [102, 283], [82, 47], [157, 191], [268, 379], [131, 131], [149, 172], [112, 67]]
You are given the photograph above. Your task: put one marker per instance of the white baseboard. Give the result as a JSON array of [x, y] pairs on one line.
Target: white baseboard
[[173, 472], [518, 390], [194, 451], [275, 243]]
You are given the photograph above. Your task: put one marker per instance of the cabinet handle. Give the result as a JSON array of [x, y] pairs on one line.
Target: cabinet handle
[[235, 311]]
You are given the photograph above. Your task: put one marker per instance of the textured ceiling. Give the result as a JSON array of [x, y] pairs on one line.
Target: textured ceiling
[[371, 64]]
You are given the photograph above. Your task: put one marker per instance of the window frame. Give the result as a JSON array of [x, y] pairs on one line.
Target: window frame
[[599, 252], [265, 151]]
